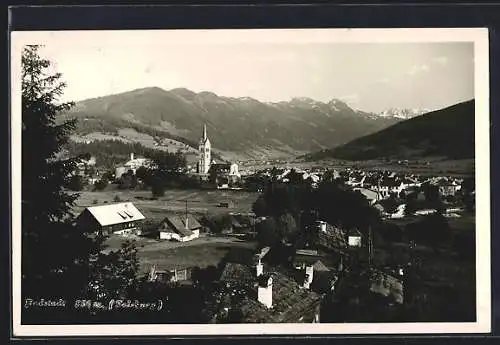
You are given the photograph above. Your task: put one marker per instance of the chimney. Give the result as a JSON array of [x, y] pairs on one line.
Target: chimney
[[152, 273], [308, 276], [265, 292], [131, 156], [259, 268]]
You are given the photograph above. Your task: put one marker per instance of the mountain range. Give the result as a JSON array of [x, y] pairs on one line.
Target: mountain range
[[237, 127], [403, 113], [447, 133]]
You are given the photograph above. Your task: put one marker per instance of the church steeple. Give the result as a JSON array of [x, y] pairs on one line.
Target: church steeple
[[204, 152]]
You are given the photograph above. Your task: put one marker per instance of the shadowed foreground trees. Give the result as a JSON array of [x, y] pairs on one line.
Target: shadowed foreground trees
[[290, 207], [59, 259]]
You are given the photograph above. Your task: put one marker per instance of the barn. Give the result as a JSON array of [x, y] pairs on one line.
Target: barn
[[121, 218]]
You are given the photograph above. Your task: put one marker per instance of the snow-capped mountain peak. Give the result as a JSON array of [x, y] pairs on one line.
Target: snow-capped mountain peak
[[403, 113]]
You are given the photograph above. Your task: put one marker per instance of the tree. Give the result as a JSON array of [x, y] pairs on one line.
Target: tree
[[267, 233], [113, 275], [157, 187], [46, 223], [101, 184], [259, 207], [75, 183], [142, 173], [432, 230], [76, 258], [287, 228]]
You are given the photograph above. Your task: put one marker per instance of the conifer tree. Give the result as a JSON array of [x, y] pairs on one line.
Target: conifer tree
[[49, 261], [59, 258]]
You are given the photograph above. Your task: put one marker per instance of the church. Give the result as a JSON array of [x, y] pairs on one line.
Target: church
[[204, 148], [226, 171]]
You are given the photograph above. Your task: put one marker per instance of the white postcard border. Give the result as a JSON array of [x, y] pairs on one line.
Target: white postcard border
[[483, 280]]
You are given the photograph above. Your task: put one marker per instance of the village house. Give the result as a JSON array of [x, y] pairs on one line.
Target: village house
[[354, 238], [281, 300], [132, 164], [272, 297], [179, 228], [447, 187], [331, 237], [135, 163], [390, 186], [121, 218], [321, 269]]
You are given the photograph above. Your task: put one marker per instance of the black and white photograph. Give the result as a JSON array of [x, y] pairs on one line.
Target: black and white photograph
[[298, 181]]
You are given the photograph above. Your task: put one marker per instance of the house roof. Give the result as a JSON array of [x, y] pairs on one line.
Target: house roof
[[177, 223], [320, 267], [334, 238], [353, 232], [115, 213], [306, 252], [386, 285], [290, 303]]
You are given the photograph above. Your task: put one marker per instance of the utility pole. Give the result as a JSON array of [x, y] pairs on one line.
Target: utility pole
[[370, 247]]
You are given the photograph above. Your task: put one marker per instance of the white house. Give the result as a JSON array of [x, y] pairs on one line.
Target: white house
[[179, 228], [136, 163], [354, 238]]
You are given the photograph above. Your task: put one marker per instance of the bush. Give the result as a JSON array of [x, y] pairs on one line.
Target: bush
[[117, 198], [101, 184], [95, 202]]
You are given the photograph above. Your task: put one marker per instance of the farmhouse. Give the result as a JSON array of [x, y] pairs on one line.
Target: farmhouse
[[179, 228], [122, 218]]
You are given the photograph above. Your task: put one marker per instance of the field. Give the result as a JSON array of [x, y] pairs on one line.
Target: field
[[199, 202], [204, 251], [201, 252]]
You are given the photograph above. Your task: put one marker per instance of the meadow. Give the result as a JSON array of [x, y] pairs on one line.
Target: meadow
[[199, 202]]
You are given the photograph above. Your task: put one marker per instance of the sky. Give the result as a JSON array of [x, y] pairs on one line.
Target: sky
[[372, 75]]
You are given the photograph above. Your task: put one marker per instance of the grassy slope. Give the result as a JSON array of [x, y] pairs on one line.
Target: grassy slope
[[445, 133]]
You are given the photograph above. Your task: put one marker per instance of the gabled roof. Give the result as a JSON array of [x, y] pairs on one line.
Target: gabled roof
[[320, 267], [177, 223], [290, 303], [115, 213], [353, 232]]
